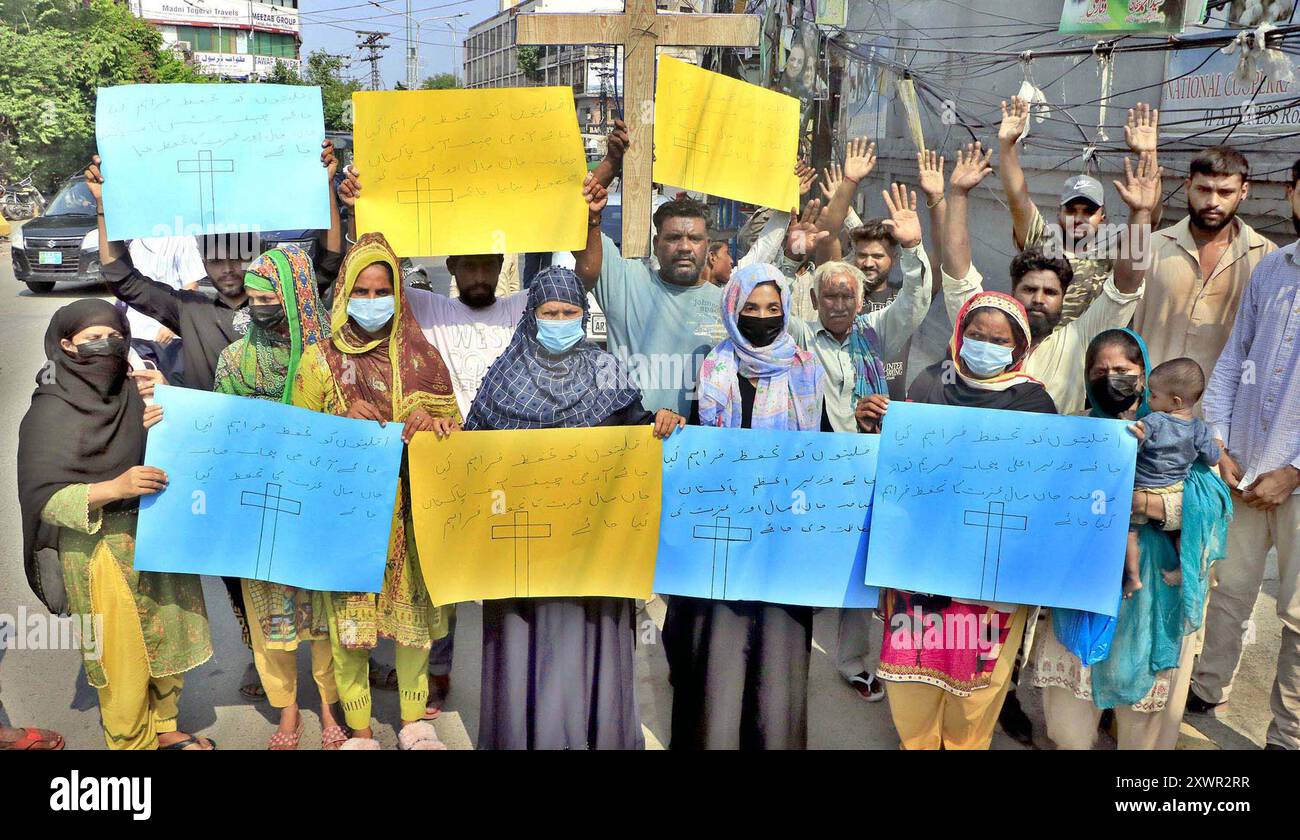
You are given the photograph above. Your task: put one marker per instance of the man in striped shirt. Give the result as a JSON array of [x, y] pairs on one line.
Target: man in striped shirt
[[1253, 405]]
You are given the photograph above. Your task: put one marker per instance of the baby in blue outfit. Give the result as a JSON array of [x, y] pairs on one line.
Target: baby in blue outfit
[[1170, 440]]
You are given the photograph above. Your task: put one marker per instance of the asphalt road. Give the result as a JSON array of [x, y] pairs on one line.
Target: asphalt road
[[47, 688]]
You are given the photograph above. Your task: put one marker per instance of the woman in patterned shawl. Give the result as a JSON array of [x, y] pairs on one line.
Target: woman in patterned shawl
[[740, 668], [286, 319], [379, 366], [559, 673], [947, 662], [80, 478]]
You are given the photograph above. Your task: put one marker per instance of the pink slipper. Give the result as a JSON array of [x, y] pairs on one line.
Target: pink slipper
[[419, 736], [360, 744], [332, 737], [285, 740]]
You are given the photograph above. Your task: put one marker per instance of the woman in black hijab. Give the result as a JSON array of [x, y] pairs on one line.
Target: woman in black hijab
[[80, 450]]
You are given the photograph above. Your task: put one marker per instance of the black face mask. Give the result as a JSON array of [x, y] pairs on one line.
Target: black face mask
[[108, 346], [268, 316], [759, 331], [1115, 393]]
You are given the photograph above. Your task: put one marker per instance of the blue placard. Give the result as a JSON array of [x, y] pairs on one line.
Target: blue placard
[[1002, 506], [181, 160], [266, 491], [780, 517]]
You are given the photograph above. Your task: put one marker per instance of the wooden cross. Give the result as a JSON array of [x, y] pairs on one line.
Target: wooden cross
[[639, 29]]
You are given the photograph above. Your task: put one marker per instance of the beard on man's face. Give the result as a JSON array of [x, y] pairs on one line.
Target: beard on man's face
[[680, 270], [1295, 223], [1212, 224], [477, 297], [1042, 322]]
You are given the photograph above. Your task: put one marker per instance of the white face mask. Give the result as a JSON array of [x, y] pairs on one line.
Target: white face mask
[[985, 359], [371, 313]]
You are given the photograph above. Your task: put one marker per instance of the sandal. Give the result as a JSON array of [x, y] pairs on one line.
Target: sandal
[[419, 736], [191, 741], [439, 688], [35, 740], [285, 741], [333, 737], [252, 690]]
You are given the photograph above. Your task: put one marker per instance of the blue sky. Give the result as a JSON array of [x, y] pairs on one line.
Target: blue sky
[[332, 25]]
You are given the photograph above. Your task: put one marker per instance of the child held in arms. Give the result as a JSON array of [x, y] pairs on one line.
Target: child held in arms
[[1170, 440]]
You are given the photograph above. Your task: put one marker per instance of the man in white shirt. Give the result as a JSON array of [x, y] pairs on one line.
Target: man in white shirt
[[1040, 281], [175, 261]]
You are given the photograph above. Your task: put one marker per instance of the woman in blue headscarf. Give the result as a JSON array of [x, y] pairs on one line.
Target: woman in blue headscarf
[[739, 669], [559, 673], [1138, 663]]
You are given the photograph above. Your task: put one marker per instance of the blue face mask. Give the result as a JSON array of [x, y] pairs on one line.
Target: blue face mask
[[984, 359], [559, 336], [371, 313]]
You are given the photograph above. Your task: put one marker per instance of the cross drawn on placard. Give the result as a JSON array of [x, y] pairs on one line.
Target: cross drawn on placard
[[269, 500], [424, 196], [721, 532], [519, 530], [993, 517], [690, 140], [638, 30], [204, 165]]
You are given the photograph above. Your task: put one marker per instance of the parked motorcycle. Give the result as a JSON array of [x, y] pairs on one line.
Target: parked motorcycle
[[22, 200]]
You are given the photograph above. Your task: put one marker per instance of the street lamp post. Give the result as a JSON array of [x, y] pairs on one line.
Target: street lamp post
[[414, 56], [414, 43]]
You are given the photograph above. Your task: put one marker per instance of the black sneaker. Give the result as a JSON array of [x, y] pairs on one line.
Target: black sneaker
[[1015, 722], [1197, 706]]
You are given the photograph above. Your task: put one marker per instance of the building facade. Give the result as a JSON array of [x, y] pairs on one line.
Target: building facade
[[237, 39]]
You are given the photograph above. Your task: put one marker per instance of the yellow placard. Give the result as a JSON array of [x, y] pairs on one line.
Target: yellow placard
[[725, 137], [537, 513], [470, 171]]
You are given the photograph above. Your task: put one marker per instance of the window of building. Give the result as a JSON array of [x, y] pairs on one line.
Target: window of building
[[273, 44], [208, 38]]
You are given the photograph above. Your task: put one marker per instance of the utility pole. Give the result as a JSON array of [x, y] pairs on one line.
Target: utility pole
[[412, 70], [374, 42]]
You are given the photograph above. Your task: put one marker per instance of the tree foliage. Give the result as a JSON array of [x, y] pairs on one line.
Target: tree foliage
[[529, 59], [326, 72], [56, 54], [440, 81]]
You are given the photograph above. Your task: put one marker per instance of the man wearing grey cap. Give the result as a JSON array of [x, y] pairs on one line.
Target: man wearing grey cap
[[1081, 212]]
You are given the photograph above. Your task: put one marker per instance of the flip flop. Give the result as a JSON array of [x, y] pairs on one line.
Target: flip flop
[[189, 742], [281, 741], [332, 737], [35, 740]]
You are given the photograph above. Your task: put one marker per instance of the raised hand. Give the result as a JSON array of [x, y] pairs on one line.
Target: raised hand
[[1142, 131], [1141, 187], [95, 180], [350, 189], [806, 177], [804, 234], [1015, 119], [903, 221], [596, 196], [617, 144], [930, 164], [328, 158], [832, 177], [972, 167], [859, 159]]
